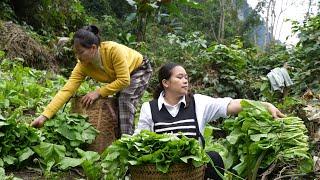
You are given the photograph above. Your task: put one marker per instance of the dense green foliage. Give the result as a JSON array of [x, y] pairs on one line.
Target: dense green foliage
[[6, 11], [256, 140], [24, 93], [172, 34], [48, 16], [307, 59], [16, 142]]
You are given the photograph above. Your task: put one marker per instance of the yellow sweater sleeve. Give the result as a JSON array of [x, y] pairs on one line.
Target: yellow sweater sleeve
[[121, 69], [75, 79]]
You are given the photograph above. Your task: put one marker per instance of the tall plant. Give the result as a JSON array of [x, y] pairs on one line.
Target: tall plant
[[307, 61], [147, 9]]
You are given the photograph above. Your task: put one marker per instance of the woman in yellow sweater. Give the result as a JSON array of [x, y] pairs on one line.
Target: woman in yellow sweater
[[123, 69]]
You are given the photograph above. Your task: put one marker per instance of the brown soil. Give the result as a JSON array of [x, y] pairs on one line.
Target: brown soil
[[36, 174]]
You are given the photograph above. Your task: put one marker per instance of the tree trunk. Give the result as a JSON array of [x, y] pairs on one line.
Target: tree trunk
[[221, 22], [213, 32], [267, 25], [255, 36], [273, 20], [141, 27], [282, 9]]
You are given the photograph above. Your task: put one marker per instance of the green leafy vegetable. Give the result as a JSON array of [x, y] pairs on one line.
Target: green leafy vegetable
[[147, 147], [256, 140]]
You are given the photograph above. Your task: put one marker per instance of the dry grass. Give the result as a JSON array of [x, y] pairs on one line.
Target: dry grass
[[16, 43]]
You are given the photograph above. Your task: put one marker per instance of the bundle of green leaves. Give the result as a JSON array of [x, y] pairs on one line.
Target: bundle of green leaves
[[256, 140], [147, 147], [70, 131]]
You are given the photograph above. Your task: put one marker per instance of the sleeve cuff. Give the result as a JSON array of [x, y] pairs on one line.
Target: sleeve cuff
[[47, 114], [226, 102], [102, 92]]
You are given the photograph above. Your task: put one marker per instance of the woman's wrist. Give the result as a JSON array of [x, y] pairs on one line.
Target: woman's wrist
[[268, 105], [43, 117]]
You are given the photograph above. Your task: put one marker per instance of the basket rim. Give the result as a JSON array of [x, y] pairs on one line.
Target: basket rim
[[173, 165], [187, 171]]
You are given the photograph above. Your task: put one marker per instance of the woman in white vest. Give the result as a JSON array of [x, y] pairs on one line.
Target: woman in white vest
[[175, 110]]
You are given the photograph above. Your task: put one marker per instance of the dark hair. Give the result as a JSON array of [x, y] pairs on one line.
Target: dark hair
[[87, 36], [165, 72]]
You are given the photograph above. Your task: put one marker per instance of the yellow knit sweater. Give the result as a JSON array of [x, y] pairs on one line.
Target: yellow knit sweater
[[118, 62]]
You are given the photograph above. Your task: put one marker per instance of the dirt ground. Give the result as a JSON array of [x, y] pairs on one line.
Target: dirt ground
[[36, 174]]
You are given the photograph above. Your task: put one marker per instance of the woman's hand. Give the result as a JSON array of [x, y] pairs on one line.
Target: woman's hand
[[89, 98], [274, 111], [39, 121]]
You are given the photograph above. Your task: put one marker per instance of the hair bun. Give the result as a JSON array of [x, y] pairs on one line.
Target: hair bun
[[92, 28]]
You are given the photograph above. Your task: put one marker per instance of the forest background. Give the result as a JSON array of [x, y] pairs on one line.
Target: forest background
[[226, 46]]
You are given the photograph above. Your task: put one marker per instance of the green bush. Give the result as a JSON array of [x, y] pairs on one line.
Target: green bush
[[51, 16]]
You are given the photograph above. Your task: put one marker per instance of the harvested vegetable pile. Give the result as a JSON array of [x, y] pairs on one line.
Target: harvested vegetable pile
[[148, 147], [256, 140]]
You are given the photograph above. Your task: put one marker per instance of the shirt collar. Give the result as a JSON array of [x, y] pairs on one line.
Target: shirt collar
[[161, 101]]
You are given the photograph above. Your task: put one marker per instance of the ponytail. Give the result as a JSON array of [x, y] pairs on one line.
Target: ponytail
[[189, 96], [87, 36], [92, 28], [157, 91]]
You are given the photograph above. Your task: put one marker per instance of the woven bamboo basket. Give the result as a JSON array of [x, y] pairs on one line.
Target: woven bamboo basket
[[177, 171], [103, 115]]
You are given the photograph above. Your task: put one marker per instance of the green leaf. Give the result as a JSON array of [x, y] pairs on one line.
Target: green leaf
[[49, 165], [2, 173], [3, 123], [131, 17], [133, 163], [92, 170], [163, 167], [9, 159], [88, 155], [257, 137], [112, 156], [234, 136], [2, 54], [186, 158], [25, 154], [89, 135], [50, 152], [67, 133], [306, 166], [68, 162]]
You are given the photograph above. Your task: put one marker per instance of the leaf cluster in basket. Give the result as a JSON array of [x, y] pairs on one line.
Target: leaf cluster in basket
[[148, 147], [256, 140]]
